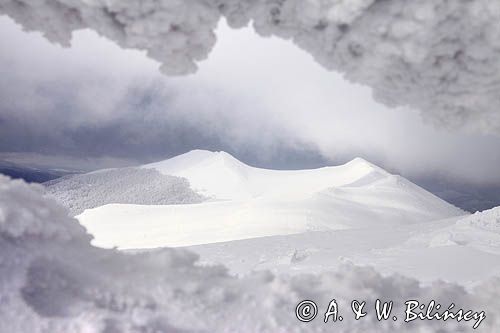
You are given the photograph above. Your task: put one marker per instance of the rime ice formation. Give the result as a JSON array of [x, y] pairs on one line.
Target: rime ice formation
[[125, 185], [52, 280], [440, 57]]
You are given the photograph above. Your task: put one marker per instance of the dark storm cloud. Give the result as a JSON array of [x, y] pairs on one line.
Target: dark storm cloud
[[95, 105], [67, 105], [96, 99], [145, 123]]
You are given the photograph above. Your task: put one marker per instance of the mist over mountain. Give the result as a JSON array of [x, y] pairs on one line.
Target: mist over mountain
[[30, 174]]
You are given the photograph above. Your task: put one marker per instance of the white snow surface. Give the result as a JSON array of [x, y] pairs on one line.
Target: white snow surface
[[456, 249], [249, 202], [53, 281]]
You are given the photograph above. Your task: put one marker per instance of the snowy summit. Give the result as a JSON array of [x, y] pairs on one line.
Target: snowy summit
[[247, 202]]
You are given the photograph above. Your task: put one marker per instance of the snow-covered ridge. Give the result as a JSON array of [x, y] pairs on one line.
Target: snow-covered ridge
[[222, 176], [248, 202]]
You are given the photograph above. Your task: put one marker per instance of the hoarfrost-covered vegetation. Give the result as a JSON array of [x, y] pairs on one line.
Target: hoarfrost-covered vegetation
[[125, 186], [53, 281], [440, 57]]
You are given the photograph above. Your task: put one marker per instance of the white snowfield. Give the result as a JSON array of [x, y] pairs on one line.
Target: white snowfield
[[463, 250], [248, 202], [53, 281]]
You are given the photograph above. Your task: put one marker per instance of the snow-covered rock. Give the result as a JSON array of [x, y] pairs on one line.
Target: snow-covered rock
[[480, 231]]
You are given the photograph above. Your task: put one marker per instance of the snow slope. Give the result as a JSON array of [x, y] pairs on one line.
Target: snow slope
[[53, 281], [248, 202], [464, 250]]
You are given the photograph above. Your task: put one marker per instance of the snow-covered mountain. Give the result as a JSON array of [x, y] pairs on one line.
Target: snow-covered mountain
[[53, 280], [247, 202]]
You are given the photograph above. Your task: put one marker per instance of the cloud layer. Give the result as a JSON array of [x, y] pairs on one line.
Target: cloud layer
[[96, 100], [438, 57]]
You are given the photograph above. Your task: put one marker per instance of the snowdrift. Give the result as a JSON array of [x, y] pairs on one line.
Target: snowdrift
[[480, 231], [464, 250], [53, 281], [248, 202]]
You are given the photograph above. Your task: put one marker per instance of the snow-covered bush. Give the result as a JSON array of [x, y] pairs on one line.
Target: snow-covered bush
[[125, 186], [53, 281]]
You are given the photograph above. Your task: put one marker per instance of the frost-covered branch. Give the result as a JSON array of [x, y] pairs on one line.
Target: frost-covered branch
[[440, 57]]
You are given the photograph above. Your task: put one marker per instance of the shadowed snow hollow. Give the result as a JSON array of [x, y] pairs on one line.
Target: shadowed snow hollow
[[248, 202]]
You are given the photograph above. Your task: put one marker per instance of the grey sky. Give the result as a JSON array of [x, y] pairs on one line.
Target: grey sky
[[264, 100]]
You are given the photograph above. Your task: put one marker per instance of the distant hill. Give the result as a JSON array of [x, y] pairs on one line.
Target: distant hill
[[247, 202], [30, 174]]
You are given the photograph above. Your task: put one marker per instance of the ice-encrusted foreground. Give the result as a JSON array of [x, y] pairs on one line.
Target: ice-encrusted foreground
[[440, 57], [53, 281]]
